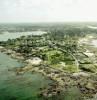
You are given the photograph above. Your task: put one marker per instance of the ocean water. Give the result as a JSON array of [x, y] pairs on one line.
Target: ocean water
[[19, 87]]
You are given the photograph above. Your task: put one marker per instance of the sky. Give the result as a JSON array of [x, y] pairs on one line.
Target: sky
[[48, 10]]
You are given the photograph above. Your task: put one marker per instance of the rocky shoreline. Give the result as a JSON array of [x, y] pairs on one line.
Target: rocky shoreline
[[86, 85], [12, 53], [85, 82]]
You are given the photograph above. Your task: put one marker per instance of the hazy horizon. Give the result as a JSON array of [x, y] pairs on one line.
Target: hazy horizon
[[47, 11]]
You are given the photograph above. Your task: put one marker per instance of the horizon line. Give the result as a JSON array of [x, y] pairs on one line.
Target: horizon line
[[49, 22]]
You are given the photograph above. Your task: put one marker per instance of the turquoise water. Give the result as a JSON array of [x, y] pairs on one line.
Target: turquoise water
[[19, 87]]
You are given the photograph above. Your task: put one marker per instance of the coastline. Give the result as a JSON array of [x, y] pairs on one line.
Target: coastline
[[62, 80]]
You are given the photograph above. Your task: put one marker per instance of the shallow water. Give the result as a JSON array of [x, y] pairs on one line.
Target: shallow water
[[8, 35], [19, 87]]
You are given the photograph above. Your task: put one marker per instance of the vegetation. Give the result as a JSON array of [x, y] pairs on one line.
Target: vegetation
[[64, 58]]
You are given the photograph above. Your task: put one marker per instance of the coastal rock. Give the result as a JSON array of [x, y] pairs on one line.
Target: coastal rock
[[34, 61]]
